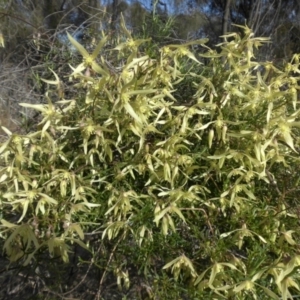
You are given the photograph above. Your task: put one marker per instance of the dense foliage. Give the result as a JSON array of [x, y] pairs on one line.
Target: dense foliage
[[176, 164]]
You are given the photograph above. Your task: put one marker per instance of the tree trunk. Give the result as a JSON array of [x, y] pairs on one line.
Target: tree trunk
[[114, 15], [226, 17]]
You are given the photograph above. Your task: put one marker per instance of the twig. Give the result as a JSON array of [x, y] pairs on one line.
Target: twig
[[106, 268], [273, 182], [83, 279], [18, 18]]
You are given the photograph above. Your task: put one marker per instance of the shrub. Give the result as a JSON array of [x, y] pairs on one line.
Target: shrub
[[188, 195]]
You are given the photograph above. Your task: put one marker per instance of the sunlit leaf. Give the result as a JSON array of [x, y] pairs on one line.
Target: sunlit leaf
[[178, 212], [78, 229], [131, 111], [245, 285], [99, 47], [78, 46], [7, 224]]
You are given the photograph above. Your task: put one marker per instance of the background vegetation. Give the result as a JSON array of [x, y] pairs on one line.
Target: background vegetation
[[140, 159]]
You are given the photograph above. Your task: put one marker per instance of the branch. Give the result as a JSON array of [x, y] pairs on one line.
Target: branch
[[2, 13]]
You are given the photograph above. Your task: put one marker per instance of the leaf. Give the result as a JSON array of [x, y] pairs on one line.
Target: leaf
[[258, 275], [99, 47], [98, 69], [165, 225], [135, 62], [225, 234], [80, 243], [39, 107], [245, 285], [8, 224], [289, 140], [25, 204], [7, 131], [288, 237], [54, 82], [261, 238], [4, 145], [76, 227], [270, 108], [248, 193], [135, 129], [141, 92], [219, 156], [78, 207], [167, 172], [288, 270], [215, 270], [178, 212], [210, 137], [168, 93], [78, 46], [78, 69], [171, 222], [205, 125], [231, 266], [171, 263], [131, 111], [89, 205], [200, 277], [270, 293], [2, 44], [257, 151], [46, 126], [48, 198], [40, 206], [190, 55], [3, 177], [161, 214], [123, 26]]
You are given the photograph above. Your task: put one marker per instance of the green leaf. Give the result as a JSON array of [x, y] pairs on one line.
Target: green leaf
[[54, 82], [76, 227], [131, 111], [270, 108], [99, 69], [289, 140], [48, 198], [161, 214], [78, 69], [225, 234], [192, 56], [248, 193], [123, 26], [25, 204], [39, 107], [288, 237], [171, 263], [178, 212], [245, 285], [8, 224], [216, 268], [5, 144], [78, 46], [201, 276], [99, 47], [3, 177], [136, 61], [270, 293]]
